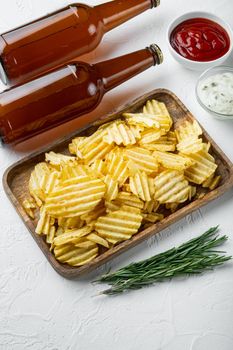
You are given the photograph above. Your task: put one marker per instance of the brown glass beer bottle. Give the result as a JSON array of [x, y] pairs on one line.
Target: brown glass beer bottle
[[51, 41], [66, 93]]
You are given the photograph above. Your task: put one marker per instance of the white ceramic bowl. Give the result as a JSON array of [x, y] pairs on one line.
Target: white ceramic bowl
[[208, 73], [197, 65]]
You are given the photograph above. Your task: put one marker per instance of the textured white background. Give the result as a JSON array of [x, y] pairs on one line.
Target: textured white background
[[41, 310]]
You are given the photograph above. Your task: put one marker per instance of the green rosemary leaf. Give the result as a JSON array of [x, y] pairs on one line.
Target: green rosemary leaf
[[192, 257]]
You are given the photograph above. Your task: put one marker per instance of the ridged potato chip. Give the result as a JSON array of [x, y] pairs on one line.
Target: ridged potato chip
[[29, 206], [190, 145], [58, 158], [166, 143], [120, 133], [192, 193], [111, 188], [153, 217], [142, 119], [75, 256], [94, 237], [74, 146], [85, 244], [99, 151], [151, 206], [91, 141], [50, 235], [38, 181], [203, 168], [112, 206], [160, 112], [117, 168], [72, 236], [187, 129], [172, 206], [142, 158], [73, 170], [99, 167], [119, 225], [173, 161], [45, 223], [94, 214], [142, 186], [129, 199], [70, 223], [75, 197], [212, 182], [171, 187], [150, 136]]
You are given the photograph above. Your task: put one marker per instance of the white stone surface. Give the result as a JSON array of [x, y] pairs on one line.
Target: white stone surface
[[40, 310]]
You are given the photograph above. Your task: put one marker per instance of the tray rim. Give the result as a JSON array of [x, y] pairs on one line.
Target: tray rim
[[74, 272]]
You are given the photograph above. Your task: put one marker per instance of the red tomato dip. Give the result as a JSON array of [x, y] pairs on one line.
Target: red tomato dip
[[200, 39]]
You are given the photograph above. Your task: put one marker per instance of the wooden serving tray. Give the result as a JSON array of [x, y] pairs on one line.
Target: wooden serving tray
[[15, 182]]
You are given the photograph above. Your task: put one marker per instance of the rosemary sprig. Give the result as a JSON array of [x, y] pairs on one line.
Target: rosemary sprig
[[193, 257]]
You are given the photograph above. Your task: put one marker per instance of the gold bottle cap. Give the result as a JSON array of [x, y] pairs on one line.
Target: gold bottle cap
[[155, 3], [157, 53]]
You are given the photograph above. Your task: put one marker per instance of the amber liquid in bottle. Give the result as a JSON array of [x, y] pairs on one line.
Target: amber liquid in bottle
[[66, 93], [51, 41]]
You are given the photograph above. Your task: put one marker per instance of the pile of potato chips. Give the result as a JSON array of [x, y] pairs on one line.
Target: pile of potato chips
[[118, 181]]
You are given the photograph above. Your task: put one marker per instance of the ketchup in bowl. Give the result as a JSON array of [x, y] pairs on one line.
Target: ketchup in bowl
[[200, 39]]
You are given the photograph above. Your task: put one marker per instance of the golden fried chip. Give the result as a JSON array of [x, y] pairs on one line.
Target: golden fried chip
[[170, 187], [94, 237], [85, 244], [165, 143], [203, 168], [142, 186], [192, 193], [112, 206], [38, 181], [29, 207], [141, 119], [119, 225], [129, 199], [212, 182], [117, 168], [75, 197], [50, 235], [45, 222], [190, 145], [173, 161], [70, 223], [73, 170], [99, 151], [187, 129], [58, 158], [75, 256], [151, 206], [71, 236], [160, 113], [172, 206], [99, 167], [89, 142], [153, 217], [150, 136], [111, 188], [75, 145], [120, 133], [142, 158], [94, 214]]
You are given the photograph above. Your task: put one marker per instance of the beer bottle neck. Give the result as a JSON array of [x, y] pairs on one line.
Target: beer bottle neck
[[118, 70], [114, 13]]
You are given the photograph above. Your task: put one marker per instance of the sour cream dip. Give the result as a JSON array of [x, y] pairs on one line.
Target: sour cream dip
[[216, 92]]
